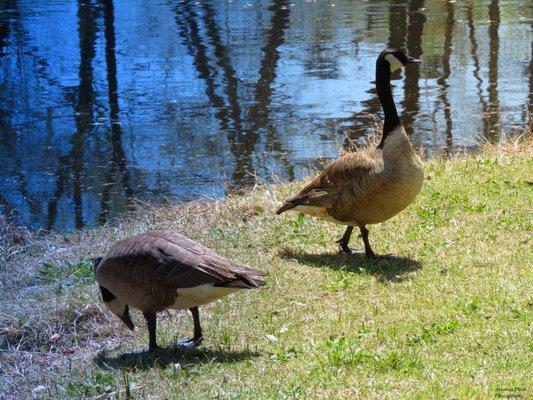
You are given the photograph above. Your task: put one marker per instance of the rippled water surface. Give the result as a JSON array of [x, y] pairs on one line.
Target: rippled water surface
[[102, 102]]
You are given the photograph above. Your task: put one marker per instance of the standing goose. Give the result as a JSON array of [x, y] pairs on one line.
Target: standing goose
[[372, 185], [157, 270]]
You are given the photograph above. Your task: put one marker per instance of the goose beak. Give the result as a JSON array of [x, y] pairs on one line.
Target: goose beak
[[412, 60]]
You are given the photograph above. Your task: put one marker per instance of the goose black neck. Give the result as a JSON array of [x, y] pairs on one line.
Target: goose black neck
[[386, 100]]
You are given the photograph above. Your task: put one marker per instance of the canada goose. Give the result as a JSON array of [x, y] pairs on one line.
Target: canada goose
[[372, 185], [157, 270]]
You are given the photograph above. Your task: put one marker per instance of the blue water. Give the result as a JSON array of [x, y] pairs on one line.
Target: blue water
[[105, 102]]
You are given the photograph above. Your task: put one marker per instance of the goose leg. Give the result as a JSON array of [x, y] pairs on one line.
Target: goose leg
[[368, 250], [198, 337], [345, 239], [151, 321]]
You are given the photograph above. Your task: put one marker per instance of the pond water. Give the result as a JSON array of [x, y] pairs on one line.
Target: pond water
[[103, 101]]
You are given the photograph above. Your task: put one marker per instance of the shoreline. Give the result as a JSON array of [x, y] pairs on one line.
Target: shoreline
[[6, 218]]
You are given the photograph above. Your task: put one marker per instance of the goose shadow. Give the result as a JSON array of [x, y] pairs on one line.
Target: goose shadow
[[384, 268], [161, 358]]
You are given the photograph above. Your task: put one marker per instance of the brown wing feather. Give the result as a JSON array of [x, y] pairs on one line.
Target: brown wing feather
[[348, 173], [175, 261]]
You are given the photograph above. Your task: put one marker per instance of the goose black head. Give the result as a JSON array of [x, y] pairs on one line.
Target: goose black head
[[117, 307], [395, 59]]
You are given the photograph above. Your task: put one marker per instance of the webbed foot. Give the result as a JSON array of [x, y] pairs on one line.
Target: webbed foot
[[344, 248], [190, 343], [348, 250]]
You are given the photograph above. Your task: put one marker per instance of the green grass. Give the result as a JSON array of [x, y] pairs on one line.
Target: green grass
[[450, 317]]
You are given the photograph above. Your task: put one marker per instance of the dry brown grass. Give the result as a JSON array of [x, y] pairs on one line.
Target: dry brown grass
[[521, 145]]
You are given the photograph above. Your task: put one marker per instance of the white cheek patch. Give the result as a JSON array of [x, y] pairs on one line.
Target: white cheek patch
[[117, 307], [394, 63]]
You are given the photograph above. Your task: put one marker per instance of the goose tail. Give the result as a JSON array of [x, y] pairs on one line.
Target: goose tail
[[285, 207], [234, 275], [243, 282], [251, 278], [246, 278]]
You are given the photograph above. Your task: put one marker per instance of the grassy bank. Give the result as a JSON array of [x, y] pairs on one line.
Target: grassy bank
[[450, 317]]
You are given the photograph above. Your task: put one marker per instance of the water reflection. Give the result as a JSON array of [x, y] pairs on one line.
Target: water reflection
[[104, 102], [118, 164], [445, 76], [529, 111], [475, 60], [492, 113], [415, 29]]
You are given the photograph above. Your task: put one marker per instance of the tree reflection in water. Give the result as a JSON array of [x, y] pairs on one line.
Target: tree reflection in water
[[163, 102]]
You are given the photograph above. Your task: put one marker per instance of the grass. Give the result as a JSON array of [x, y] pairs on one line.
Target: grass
[[450, 317]]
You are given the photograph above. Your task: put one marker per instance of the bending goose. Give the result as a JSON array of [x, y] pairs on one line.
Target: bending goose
[[372, 185], [157, 270]]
